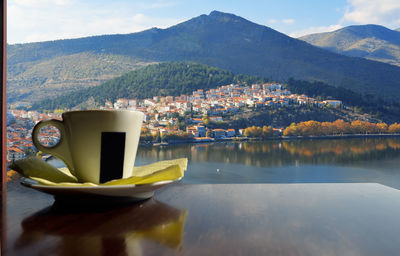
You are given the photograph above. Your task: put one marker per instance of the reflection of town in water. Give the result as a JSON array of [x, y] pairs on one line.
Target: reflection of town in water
[[277, 152], [293, 161]]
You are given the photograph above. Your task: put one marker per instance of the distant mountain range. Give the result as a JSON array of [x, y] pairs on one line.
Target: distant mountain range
[[42, 70], [367, 41]]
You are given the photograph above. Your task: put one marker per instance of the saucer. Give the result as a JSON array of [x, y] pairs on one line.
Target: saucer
[[132, 192]]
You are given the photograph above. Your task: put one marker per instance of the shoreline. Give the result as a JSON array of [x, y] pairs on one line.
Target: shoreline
[[240, 139]]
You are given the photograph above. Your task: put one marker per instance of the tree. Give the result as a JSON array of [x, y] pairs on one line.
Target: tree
[[327, 128], [206, 120], [309, 128], [382, 127], [267, 131], [291, 130], [29, 152], [394, 128], [370, 128], [253, 131], [157, 137], [341, 127]]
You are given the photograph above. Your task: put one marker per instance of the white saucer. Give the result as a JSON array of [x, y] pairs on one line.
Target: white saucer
[[135, 192]]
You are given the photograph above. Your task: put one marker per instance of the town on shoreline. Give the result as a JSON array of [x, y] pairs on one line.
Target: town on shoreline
[[189, 118]]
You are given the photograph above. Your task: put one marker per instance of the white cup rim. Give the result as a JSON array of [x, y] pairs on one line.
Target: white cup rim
[[102, 111]]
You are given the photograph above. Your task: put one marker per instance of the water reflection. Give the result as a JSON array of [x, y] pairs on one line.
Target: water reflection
[[297, 161], [125, 230], [338, 160], [276, 153]]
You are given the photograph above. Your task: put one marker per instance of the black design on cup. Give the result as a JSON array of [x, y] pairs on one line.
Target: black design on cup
[[112, 155]]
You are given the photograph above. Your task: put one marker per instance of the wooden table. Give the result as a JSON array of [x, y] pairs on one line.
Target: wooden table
[[219, 219]]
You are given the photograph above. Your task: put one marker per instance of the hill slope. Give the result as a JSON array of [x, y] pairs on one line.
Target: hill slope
[[367, 41], [177, 78], [160, 79], [61, 74], [228, 42]]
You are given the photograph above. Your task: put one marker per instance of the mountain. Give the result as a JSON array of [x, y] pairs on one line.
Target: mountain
[[367, 41], [218, 39], [51, 77], [162, 79], [177, 78]]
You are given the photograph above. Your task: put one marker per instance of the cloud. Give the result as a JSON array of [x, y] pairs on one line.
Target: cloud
[[313, 30], [281, 22], [289, 21], [42, 20], [383, 12]]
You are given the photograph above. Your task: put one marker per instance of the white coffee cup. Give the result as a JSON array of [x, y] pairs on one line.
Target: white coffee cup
[[96, 145]]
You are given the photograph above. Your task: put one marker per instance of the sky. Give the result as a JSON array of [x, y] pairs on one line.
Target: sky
[[43, 20]]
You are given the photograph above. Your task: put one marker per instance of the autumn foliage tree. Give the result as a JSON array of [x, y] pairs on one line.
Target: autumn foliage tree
[[258, 132], [291, 130], [394, 128], [339, 127], [253, 131], [382, 127], [267, 131], [145, 136]]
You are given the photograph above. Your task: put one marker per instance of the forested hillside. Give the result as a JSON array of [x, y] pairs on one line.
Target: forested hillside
[[160, 79]]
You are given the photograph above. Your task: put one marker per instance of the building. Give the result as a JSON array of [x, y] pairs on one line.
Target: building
[[219, 133], [333, 103], [201, 130], [15, 154], [230, 133]]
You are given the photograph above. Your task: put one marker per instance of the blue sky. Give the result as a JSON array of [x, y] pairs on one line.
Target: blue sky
[[42, 20]]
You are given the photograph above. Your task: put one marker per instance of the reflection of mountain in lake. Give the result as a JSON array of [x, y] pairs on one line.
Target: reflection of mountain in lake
[[277, 153], [295, 161]]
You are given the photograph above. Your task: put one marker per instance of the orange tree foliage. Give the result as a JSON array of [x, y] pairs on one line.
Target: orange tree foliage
[[258, 132], [291, 130], [267, 131], [145, 136], [341, 127], [382, 127], [394, 128], [309, 128], [338, 127]]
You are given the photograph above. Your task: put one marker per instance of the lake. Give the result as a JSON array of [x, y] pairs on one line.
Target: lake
[[276, 161]]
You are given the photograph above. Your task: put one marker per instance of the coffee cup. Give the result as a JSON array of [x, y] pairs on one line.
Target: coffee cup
[[96, 145]]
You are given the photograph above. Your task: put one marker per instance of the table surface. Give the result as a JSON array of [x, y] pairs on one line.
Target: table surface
[[231, 219]]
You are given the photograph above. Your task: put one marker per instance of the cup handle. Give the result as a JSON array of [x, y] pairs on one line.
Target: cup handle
[[61, 149]]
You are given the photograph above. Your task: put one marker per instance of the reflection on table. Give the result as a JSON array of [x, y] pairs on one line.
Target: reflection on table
[[214, 219], [68, 228]]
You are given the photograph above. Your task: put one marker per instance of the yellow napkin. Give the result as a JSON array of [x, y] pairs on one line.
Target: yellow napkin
[[36, 167], [46, 174]]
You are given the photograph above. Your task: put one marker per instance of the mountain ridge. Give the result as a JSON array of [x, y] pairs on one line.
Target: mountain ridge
[[222, 40], [370, 41]]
